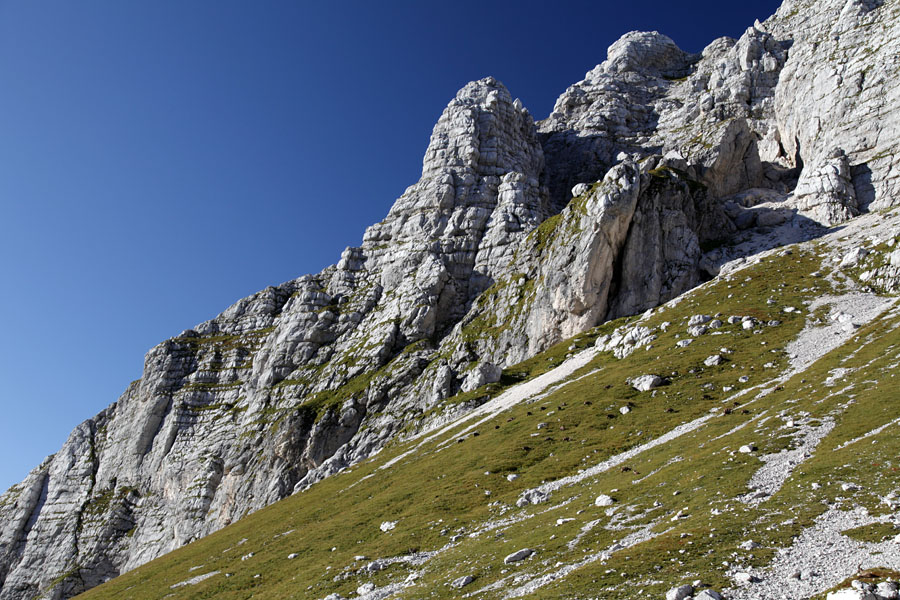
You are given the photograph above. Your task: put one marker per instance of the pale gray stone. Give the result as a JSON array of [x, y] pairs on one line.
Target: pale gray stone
[[888, 590], [680, 593], [743, 578], [604, 500], [518, 556], [482, 374], [580, 189], [714, 360], [852, 258], [532, 497], [645, 383]]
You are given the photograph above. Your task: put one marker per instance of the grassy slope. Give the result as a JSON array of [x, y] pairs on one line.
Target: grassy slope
[[433, 495]]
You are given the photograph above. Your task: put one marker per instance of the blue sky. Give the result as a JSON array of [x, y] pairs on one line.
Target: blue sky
[[160, 160]]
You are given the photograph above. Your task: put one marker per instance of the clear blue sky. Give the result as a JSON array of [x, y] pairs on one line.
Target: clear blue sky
[[160, 160]]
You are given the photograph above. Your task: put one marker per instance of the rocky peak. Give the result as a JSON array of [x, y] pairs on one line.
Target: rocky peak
[[482, 141], [516, 235], [647, 52], [480, 190], [485, 130]]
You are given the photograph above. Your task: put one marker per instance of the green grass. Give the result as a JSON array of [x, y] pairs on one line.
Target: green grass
[[438, 490], [875, 532], [877, 575]]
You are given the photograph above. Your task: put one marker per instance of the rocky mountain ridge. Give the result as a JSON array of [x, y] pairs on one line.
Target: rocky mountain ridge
[[649, 176], [739, 440]]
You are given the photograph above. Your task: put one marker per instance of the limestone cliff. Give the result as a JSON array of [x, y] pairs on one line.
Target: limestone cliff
[[647, 176]]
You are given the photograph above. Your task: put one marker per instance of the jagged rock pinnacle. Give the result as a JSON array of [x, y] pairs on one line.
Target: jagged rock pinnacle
[[650, 175]]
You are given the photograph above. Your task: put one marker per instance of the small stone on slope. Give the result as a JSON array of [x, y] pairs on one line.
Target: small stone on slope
[[713, 361], [388, 525], [645, 383], [462, 581], [680, 593], [518, 556], [604, 500]]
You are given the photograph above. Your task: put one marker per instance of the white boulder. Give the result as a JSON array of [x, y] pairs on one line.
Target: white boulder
[[518, 556], [645, 383], [604, 500], [713, 361], [680, 593], [388, 525]]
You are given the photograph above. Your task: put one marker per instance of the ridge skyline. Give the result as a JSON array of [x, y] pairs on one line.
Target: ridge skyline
[[101, 281]]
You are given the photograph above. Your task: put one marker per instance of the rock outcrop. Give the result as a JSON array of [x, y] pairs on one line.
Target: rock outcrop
[[647, 177], [232, 415]]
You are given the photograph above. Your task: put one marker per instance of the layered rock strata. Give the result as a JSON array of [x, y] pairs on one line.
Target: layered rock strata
[[640, 183]]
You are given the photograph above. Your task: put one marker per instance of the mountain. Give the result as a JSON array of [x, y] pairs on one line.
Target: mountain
[[617, 275]]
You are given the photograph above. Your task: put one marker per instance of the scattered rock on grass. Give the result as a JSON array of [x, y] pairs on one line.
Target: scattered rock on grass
[[713, 361], [532, 497], [462, 581], [376, 566], [518, 556], [680, 593], [604, 500], [697, 330], [853, 257], [388, 525], [194, 580], [645, 383]]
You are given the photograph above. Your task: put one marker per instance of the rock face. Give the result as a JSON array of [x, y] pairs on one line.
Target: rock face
[[236, 413], [648, 175]]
